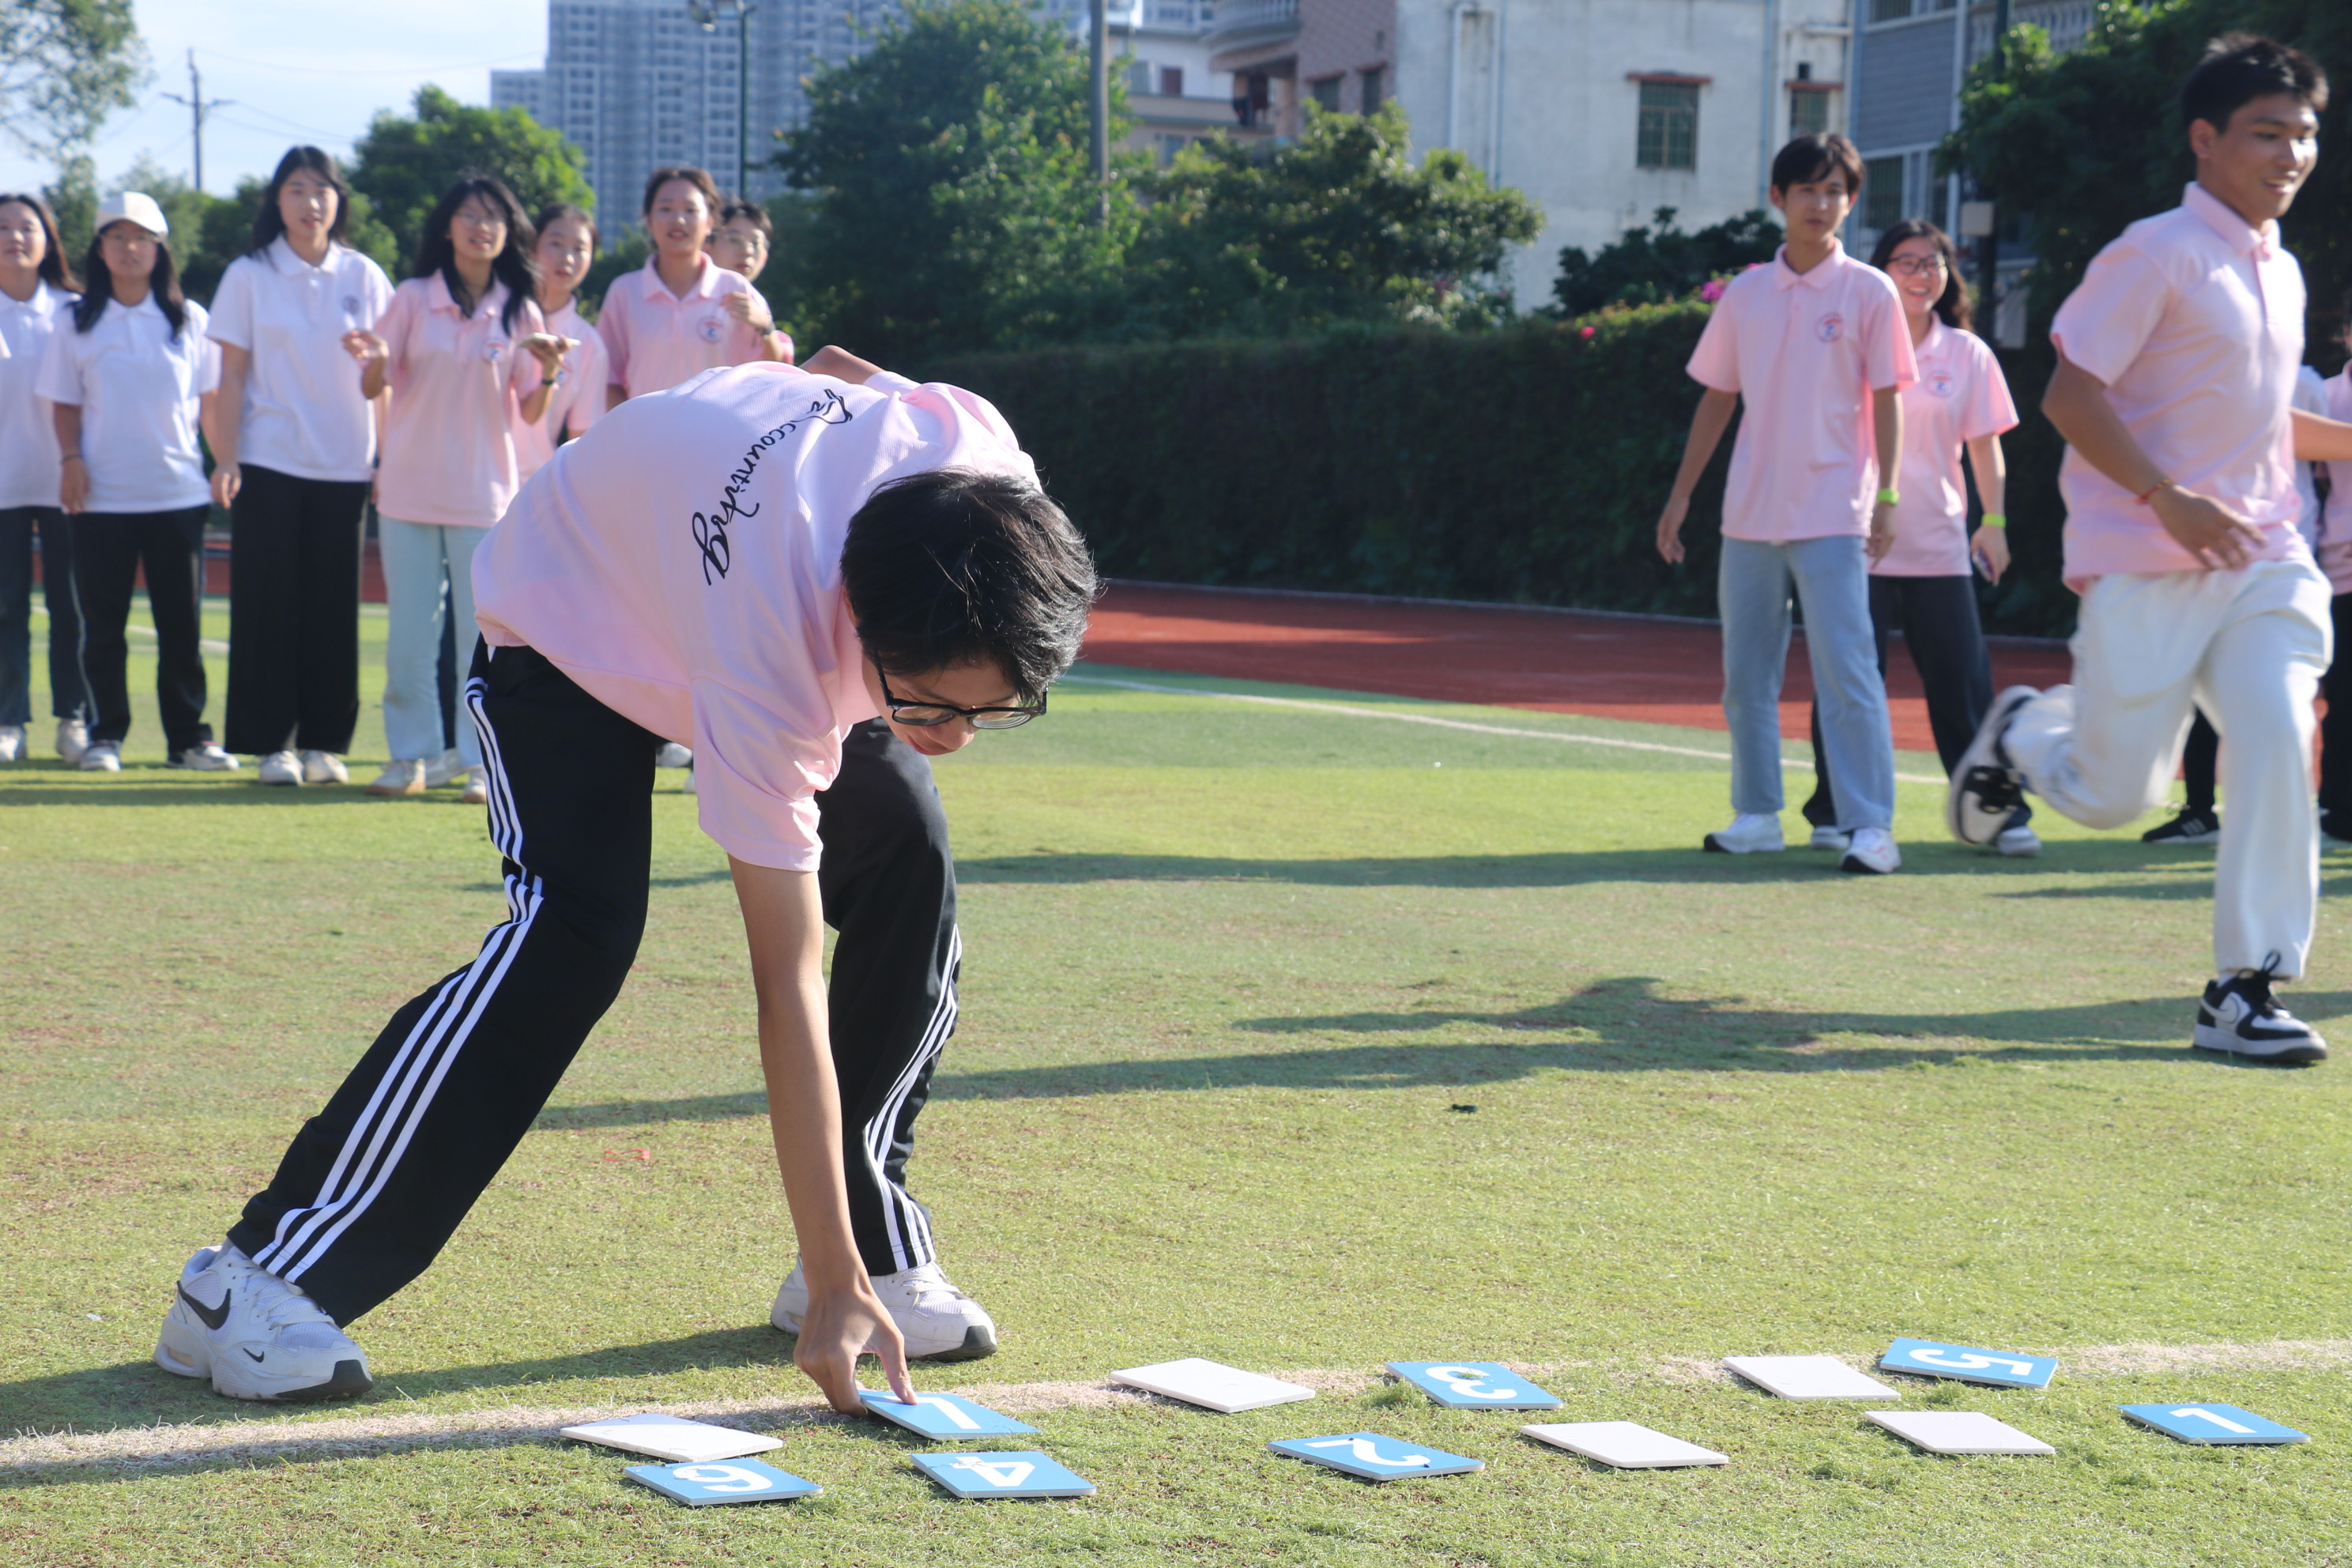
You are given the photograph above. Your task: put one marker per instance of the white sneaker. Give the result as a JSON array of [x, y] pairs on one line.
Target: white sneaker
[[101, 757], [402, 775], [1986, 788], [673, 755], [1829, 837], [478, 788], [280, 768], [73, 739], [204, 759], [12, 742], [2018, 843], [445, 769], [324, 767], [1750, 832], [255, 1336], [939, 1321], [2240, 1017], [1872, 850]]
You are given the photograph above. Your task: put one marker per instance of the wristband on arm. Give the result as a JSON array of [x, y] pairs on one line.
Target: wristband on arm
[[1889, 498], [1995, 519], [2142, 499]]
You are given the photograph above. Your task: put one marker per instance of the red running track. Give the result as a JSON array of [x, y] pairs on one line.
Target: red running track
[[1654, 671]]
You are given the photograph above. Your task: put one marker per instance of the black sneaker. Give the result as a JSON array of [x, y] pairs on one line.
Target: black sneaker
[[2189, 827], [2239, 1018], [1986, 789]]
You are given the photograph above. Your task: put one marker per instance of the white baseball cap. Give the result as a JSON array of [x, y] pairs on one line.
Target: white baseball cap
[[133, 206]]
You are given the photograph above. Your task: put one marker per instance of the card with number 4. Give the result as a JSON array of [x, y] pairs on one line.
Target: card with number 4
[[739, 1480], [984, 1476], [1474, 1385], [1373, 1457], [943, 1415]]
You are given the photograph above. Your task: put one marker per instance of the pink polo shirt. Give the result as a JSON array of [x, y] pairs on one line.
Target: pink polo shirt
[[1804, 350], [2193, 320], [682, 562], [1960, 397], [448, 438], [654, 338], [578, 399]]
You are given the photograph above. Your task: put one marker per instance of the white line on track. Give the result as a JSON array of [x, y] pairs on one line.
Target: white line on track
[[1802, 765], [300, 1431]]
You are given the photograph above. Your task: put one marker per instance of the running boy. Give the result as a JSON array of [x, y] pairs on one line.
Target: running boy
[[760, 561], [2178, 361], [1816, 345]]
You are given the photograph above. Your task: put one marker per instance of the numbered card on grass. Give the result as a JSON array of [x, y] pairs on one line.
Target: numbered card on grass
[[986, 1475], [1968, 1363], [1958, 1432], [1627, 1445], [1212, 1385], [1374, 1457], [943, 1415], [673, 1437], [741, 1480], [1474, 1384], [1809, 1377], [2211, 1423]]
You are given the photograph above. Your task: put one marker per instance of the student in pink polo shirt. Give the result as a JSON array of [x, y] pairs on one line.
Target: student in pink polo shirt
[[2174, 387], [787, 567], [1814, 346], [1923, 583], [740, 244], [681, 313], [467, 356], [565, 249]]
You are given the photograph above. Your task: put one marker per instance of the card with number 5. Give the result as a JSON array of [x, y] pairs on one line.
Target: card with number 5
[[1474, 1385]]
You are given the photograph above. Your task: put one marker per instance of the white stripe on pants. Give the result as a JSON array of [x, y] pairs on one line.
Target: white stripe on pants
[[2248, 646], [418, 558]]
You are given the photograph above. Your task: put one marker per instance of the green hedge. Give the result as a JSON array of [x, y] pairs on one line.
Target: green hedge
[[1525, 466]]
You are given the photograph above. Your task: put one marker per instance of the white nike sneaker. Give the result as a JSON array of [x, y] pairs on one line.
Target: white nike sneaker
[[206, 758], [73, 740], [1750, 832], [101, 757], [324, 767], [2241, 1016], [445, 769], [255, 1336], [939, 1321], [673, 755], [402, 775], [280, 768], [2018, 843], [12, 742], [1872, 851]]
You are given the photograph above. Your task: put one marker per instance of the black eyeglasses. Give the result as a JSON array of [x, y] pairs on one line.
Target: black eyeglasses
[[928, 713], [1913, 265]]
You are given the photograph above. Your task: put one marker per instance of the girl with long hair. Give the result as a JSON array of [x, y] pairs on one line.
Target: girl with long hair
[[565, 249], [681, 313], [293, 453], [465, 353], [37, 293], [1923, 582], [128, 386]]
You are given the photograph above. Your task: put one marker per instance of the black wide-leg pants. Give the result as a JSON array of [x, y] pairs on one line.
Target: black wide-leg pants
[[110, 549], [377, 1183], [294, 553]]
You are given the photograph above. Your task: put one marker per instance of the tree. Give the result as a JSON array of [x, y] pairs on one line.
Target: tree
[[65, 64], [954, 208], [1646, 268], [2079, 145], [404, 165], [1337, 227]]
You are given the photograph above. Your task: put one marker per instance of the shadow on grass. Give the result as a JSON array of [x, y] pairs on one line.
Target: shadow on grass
[[131, 789]]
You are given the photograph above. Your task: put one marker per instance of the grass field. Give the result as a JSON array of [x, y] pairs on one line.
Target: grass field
[[1233, 972]]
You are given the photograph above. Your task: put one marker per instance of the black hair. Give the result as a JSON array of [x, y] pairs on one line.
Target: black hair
[[163, 284], [955, 567], [753, 211], [1952, 305], [2240, 68], [268, 223], [554, 213], [698, 178], [1810, 158], [514, 266], [53, 269]]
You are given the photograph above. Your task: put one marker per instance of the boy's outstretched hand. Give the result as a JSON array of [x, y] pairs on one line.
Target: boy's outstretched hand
[[839, 1325]]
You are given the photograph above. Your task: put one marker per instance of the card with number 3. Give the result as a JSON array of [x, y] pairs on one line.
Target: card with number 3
[[1474, 1385]]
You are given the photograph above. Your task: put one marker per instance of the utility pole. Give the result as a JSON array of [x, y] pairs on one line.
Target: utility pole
[[706, 16], [1098, 107], [1989, 247], [198, 107]]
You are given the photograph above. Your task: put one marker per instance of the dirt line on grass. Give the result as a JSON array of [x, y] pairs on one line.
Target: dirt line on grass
[[340, 1436]]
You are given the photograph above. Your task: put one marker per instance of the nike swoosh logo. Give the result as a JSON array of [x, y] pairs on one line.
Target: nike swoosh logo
[[255, 1354], [213, 1317]]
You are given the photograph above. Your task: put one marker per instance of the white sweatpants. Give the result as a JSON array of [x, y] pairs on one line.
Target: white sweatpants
[[2248, 646]]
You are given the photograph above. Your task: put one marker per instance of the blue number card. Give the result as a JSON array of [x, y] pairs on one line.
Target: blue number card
[[737, 1481], [943, 1415], [1375, 1457], [2211, 1423], [983, 1476], [2000, 1369], [1474, 1385]]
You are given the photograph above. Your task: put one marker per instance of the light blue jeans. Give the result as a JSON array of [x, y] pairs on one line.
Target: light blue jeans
[[1832, 580], [418, 558]]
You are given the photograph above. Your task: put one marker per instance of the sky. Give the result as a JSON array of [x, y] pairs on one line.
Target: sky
[[299, 70]]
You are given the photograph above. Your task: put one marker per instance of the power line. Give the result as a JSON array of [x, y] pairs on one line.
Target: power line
[[197, 110], [387, 71]]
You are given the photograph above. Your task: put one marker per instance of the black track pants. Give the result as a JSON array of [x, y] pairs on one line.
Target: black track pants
[[110, 548], [377, 1183]]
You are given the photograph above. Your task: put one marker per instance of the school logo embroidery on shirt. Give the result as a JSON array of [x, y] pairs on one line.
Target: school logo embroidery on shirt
[[709, 529], [711, 328], [494, 351], [1829, 328], [1940, 382], [352, 305]]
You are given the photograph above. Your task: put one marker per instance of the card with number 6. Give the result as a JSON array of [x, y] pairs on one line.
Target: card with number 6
[[737, 1481], [1474, 1385]]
